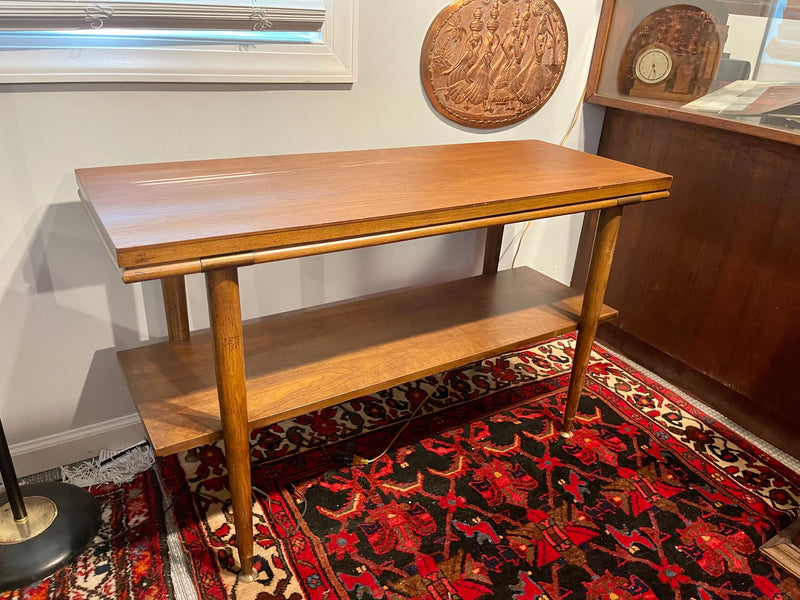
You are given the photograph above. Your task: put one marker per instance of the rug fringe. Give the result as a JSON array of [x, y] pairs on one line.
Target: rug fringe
[[118, 468]]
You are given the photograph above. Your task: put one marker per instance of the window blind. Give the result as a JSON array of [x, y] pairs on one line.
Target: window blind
[[210, 15]]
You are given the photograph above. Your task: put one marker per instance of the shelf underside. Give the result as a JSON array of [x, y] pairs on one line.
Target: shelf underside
[[306, 360]]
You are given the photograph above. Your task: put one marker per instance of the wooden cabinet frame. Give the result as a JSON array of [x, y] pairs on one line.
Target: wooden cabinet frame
[[670, 110]]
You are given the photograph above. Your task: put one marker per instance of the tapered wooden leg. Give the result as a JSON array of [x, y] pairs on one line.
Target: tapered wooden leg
[[173, 289], [599, 268], [491, 253], [226, 326]]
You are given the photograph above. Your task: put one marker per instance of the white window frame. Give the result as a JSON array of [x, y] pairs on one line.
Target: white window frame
[[333, 60]]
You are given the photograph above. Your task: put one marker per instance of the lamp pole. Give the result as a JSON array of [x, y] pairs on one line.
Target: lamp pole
[[43, 532], [10, 480]]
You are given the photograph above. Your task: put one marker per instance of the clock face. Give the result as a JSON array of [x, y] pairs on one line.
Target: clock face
[[652, 65]]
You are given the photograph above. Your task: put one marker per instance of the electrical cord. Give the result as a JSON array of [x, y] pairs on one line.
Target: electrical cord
[[300, 498], [360, 461], [163, 510], [357, 461], [575, 116]]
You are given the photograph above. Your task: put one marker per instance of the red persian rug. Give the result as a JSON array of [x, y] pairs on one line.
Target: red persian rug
[[128, 559], [480, 498]]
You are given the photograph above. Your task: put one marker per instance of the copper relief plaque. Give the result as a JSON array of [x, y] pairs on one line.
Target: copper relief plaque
[[491, 63]]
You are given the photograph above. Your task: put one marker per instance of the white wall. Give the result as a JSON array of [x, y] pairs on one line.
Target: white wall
[[63, 307]]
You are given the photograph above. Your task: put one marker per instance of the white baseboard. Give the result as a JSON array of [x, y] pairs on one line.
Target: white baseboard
[[53, 451]]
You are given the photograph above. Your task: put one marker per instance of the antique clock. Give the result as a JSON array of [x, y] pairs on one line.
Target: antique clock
[[673, 54], [653, 64]]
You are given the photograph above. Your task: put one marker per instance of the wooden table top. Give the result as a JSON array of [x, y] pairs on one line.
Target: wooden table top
[[153, 214]]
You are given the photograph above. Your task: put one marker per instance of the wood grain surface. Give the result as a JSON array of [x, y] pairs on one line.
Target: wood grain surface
[[592, 308], [306, 360], [227, 348], [160, 213], [167, 220]]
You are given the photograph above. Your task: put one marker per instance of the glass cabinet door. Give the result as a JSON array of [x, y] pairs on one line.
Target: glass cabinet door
[[734, 64]]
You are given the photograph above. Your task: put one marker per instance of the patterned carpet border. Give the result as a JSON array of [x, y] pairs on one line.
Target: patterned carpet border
[[678, 423]]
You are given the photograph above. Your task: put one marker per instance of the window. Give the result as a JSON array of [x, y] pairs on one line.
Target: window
[[279, 41]]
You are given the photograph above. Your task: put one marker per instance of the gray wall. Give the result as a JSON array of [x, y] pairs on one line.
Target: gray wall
[[63, 308]]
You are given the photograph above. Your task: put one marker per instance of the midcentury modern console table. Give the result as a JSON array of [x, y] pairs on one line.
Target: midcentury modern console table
[[164, 221]]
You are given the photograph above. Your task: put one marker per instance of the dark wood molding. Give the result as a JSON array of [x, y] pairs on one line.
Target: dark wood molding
[[600, 41], [672, 111]]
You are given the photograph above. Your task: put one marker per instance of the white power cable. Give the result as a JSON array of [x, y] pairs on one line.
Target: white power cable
[[563, 141]]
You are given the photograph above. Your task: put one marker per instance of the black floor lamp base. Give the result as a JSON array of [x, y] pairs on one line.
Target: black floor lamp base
[[62, 521]]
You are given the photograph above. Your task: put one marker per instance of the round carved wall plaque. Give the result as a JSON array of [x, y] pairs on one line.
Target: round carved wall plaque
[[491, 63]]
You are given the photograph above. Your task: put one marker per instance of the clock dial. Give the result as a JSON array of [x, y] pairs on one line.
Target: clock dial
[[652, 65]]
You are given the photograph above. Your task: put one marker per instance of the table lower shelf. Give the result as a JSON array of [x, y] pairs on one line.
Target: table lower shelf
[[305, 360]]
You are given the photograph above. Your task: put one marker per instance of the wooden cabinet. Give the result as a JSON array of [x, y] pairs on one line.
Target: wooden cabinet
[[708, 285]]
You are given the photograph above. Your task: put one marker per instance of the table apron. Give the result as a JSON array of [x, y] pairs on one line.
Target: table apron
[[254, 257]]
